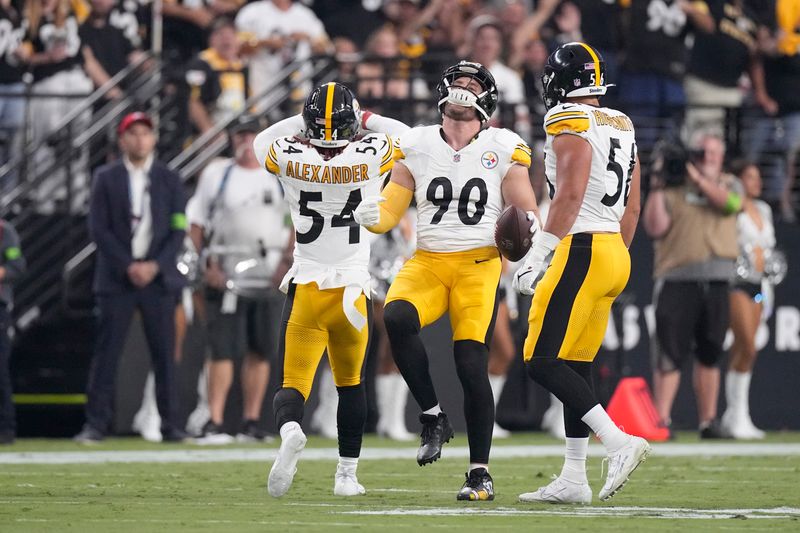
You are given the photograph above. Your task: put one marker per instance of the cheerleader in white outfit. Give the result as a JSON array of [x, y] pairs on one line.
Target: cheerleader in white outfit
[[756, 243]]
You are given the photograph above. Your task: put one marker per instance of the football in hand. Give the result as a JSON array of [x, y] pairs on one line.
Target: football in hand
[[512, 233]]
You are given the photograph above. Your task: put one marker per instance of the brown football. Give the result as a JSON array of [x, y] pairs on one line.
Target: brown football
[[512, 233]]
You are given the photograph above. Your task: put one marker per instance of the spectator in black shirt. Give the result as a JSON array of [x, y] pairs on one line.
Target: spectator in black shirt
[[106, 50], [781, 126], [11, 107], [57, 65], [217, 78], [597, 22], [187, 23], [651, 86], [355, 20], [534, 60], [134, 18], [716, 63]]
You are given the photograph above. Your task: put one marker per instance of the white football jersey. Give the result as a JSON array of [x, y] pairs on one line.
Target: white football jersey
[[611, 136], [331, 249], [458, 192]]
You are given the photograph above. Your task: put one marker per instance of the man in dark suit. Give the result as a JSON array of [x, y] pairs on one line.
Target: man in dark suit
[[12, 267], [137, 221]]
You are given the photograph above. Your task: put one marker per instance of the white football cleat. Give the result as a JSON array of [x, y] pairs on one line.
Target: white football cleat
[[740, 426], [622, 463], [285, 465], [346, 483], [560, 491], [148, 425]]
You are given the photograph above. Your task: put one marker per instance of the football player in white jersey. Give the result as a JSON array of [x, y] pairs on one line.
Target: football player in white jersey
[[461, 174], [325, 173], [579, 263]]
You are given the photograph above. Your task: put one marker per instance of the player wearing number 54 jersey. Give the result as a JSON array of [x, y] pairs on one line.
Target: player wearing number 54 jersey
[[460, 174], [579, 263], [325, 172]]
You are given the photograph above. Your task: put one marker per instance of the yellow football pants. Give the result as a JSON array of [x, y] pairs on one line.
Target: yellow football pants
[[316, 322], [465, 283], [570, 307]]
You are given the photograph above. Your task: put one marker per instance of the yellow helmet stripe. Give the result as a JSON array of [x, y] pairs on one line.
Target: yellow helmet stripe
[[329, 111], [596, 61]]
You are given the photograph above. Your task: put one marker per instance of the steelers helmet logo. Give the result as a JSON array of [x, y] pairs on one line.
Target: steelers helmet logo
[[489, 160]]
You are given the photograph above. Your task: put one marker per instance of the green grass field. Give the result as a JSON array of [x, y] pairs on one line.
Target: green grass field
[[756, 491]]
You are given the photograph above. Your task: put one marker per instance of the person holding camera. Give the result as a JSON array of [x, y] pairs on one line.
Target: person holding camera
[[691, 215], [237, 224]]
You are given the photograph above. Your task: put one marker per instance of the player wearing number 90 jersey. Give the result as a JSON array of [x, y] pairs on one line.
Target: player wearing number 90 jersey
[[325, 173], [460, 174]]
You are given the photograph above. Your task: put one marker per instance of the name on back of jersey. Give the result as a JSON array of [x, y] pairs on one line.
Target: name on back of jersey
[[618, 122], [359, 162], [327, 174]]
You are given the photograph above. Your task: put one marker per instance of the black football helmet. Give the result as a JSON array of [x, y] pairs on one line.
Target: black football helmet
[[484, 103], [332, 116], [574, 69]]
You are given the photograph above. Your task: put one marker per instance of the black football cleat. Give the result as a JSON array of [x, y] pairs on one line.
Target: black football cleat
[[478, 486], [436, 430]]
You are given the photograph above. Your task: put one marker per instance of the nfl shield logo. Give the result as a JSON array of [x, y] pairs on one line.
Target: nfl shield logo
[[456, 158]]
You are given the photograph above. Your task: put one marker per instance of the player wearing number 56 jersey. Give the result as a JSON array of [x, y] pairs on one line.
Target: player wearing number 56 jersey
[[325, 173], [460, 174], [579, 263]]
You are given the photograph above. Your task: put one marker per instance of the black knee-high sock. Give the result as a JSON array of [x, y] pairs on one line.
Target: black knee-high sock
[[402, 326], [573, 425], [351, 416], [472, 360], [567, 385], [288, 405]]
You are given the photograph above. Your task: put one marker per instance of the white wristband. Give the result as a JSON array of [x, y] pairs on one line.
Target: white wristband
[[546, 242]]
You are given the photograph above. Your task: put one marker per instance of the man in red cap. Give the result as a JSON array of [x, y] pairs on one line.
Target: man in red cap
[[137, 221]]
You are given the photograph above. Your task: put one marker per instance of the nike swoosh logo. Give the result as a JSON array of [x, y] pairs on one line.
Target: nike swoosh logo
[[482, 260]]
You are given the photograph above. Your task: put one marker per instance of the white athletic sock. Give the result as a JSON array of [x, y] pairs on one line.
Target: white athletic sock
[[348, 462], [289, 427], [473, 466], [575, 460], [435, 410], [383, 394], [497, 382], [605, 428], [737, 391], [397, 403]]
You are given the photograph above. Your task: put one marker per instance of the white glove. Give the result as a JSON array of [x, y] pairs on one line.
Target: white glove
[[368, 212], [535, 224], [536, 263]]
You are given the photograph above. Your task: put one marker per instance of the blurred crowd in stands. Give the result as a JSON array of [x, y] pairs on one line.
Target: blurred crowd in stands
[[727, 66]]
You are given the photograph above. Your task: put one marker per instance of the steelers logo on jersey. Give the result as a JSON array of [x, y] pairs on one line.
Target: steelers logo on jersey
[[489, 160]]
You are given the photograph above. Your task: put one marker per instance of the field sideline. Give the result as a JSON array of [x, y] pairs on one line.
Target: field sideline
[[130, 485]]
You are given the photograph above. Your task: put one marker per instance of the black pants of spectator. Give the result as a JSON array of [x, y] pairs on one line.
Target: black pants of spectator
[[7, 419], [157, 309]]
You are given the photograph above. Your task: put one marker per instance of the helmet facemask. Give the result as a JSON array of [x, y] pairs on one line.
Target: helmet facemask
[[484, 102]]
